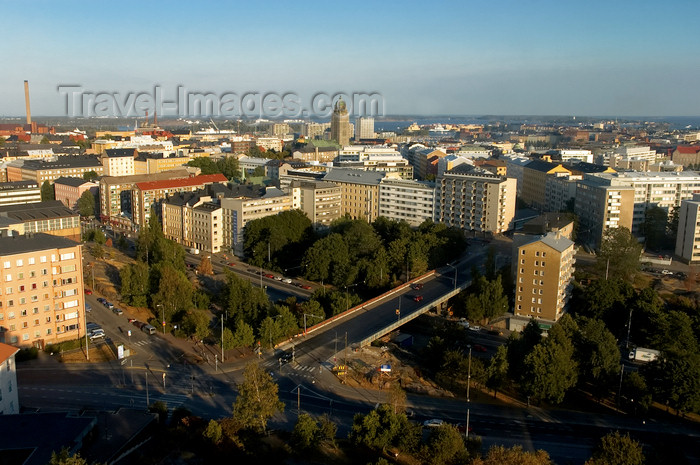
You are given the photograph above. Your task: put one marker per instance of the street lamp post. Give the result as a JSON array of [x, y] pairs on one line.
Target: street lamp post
[[162, 313], [312, 315], [455, 279], [469, 377], [347, 302]]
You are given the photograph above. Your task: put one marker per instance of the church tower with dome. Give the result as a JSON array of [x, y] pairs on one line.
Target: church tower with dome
[[340, 124]]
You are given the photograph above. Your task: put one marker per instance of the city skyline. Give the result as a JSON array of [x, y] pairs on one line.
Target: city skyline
[[548, 58]]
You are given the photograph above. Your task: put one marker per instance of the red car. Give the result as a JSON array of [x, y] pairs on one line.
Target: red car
[[231, 264], [88, 292], [270, 275], [305, 286], [418, 298], [479, 348]]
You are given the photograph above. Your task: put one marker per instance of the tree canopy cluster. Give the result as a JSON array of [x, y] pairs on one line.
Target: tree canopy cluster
[[379, 254], [228, 166], [158, 280]]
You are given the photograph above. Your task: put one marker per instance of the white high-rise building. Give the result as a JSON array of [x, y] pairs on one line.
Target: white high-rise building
[[364, 128]]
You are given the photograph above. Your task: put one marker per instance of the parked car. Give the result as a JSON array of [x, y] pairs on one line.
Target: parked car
[[305, 286], [118, 311], [102, 300], [88, 291], [434, 423], [287, 280], [475, 328], [97, 334], [418, 298], [231, 264], [269, 276], [88, 308], [417, 286], [479, 348], [667, 272]]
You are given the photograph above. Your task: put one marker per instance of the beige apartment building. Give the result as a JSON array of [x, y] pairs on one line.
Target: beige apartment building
[[42, 290], [600, 207], [320, 200], [475, 200], [543, 273], [119, 162], [535, 176], [40, 170], [194, 221], [151, 163], [359, 191], [240, 210]]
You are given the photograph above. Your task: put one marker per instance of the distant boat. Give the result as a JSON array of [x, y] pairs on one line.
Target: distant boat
[[439, 128]]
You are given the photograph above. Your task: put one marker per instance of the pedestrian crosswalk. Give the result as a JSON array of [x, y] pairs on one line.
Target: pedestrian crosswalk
[[142, 343], [306, 371]]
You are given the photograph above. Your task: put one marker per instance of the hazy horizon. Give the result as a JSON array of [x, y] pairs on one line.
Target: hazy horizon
[[542, 58]]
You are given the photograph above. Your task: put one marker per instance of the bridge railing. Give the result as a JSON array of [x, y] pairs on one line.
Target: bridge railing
[[413, 315]]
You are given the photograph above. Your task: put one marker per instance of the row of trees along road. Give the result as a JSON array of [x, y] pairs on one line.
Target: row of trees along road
[[639, 316], [158, 280]]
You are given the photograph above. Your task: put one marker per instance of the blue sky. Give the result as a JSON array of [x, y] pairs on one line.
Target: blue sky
[[544, 57]]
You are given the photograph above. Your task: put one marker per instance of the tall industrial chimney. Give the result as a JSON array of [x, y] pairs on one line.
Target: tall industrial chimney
[[26, 101]]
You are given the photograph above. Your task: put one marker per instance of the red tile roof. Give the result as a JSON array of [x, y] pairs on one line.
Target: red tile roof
[[182, 182], [7, 351], [688, 149]]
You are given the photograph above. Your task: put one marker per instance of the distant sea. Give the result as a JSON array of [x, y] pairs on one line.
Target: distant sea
[[397, 123]]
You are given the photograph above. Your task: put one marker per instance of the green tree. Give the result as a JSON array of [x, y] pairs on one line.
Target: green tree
[[397, 398], [444, 445], [175, 292], [242, 301], [161, 408], [598, 354], [230, 168], [257, 399], [381, 428], [134, 284], [206, 164], [305, 434], [86, 204], [243, 335], [619, 254], [654, 227], [497, 371], [90, 175], [499, 455], [213, 432], [196, 323], [615, 449], [550, 369], [47, 192], [485, 299], [64, 457], [636, 393]]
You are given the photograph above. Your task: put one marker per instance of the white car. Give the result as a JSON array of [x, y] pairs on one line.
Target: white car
[[474, 328], [287, 280], [434, 423]]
